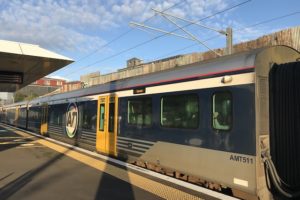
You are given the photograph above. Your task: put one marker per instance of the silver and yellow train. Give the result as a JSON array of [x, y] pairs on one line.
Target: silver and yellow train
[[208, 120]]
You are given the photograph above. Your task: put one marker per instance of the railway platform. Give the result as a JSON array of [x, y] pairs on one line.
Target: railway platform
[[33, 167]]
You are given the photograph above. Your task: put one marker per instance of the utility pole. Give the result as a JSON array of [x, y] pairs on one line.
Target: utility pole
[[229, 48]]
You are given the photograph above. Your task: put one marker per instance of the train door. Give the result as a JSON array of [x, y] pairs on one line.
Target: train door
[[107, 124], [44, 119], [16, 117]]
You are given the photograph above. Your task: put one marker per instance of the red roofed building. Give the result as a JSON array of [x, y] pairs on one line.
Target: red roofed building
[[49, 82]]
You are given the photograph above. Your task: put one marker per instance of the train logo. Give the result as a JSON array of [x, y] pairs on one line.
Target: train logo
[[72, 120]]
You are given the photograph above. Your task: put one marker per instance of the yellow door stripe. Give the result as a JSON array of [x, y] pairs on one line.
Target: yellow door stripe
[[146, 184]]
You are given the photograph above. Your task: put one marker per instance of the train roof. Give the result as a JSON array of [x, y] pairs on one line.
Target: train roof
[[18, 104], [230, 63]]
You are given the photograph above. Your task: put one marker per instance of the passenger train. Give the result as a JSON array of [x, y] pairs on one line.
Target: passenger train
[[208, 120]]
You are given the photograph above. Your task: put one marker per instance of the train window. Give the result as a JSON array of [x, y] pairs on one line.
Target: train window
[[22, 114], [140, 112], [111, 122], [56, 113], [222, 111], [33, 114], [89, 115], [102, 117], [180, 111]]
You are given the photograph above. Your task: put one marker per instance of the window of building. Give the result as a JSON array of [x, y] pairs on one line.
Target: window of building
[[180, 111], [140, 111], [222, 111]]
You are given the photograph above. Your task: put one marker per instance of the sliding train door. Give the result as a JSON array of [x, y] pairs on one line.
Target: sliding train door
[[107, 124], [44, 119]]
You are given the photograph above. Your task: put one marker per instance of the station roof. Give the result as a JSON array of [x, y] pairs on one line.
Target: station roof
[[22, 64]]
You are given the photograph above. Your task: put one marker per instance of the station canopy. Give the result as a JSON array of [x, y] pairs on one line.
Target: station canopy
[[22, 64]]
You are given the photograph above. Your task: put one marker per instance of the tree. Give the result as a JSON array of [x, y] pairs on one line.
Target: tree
[[19, 97], [31, 96]]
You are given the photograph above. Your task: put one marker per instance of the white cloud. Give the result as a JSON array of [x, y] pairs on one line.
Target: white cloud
[[76, 25], [63, 25]]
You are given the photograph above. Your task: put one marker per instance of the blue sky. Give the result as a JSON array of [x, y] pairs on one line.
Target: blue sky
[[81, 29]]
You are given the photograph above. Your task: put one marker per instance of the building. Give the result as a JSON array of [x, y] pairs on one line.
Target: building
[[86, 78], [134, 62], [39, 88], [49, 82], [6, 98], [135, 67], [42, 87], [69, 86]]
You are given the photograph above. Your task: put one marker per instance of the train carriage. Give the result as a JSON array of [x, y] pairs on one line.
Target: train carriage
[[208, 120], [15, 114]]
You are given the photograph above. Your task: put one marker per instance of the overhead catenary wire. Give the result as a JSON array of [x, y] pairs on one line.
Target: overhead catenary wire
[[119, 37], [270, 20], [157, 37], [235, 30]]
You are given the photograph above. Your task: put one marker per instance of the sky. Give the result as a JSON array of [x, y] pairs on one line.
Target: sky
[[96, 33]]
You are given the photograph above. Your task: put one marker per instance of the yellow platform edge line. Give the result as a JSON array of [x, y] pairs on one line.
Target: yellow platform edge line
[[156, 188]]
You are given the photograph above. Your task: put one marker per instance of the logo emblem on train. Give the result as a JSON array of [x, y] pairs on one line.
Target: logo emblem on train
[[71, 120]]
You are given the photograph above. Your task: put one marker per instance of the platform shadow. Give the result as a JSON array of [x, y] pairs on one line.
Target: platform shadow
[[113, 188], [10, 139], [9, 189]]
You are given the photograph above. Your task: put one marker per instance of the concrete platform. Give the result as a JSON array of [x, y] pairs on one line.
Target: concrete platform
[[33, 168]]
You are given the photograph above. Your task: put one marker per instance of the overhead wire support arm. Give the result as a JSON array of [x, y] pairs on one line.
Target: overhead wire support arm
[[227, 33], [167, 16], [190, 22], [191, 35], [159, 30]]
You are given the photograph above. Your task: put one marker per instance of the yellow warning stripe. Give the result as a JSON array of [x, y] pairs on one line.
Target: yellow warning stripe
[[16, 140], [146, 184], [4, 143], [30, 147]]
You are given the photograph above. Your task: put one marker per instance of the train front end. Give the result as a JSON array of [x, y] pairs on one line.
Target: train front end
[[277, 97]]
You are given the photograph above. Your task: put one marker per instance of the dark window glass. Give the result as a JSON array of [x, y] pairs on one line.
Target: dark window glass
[[89, 115], [11, 115], [56, 113], [22, 113], [222, 111], [34, 114], [102, 117], [140, 112], [111, 123], [180, 111]]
